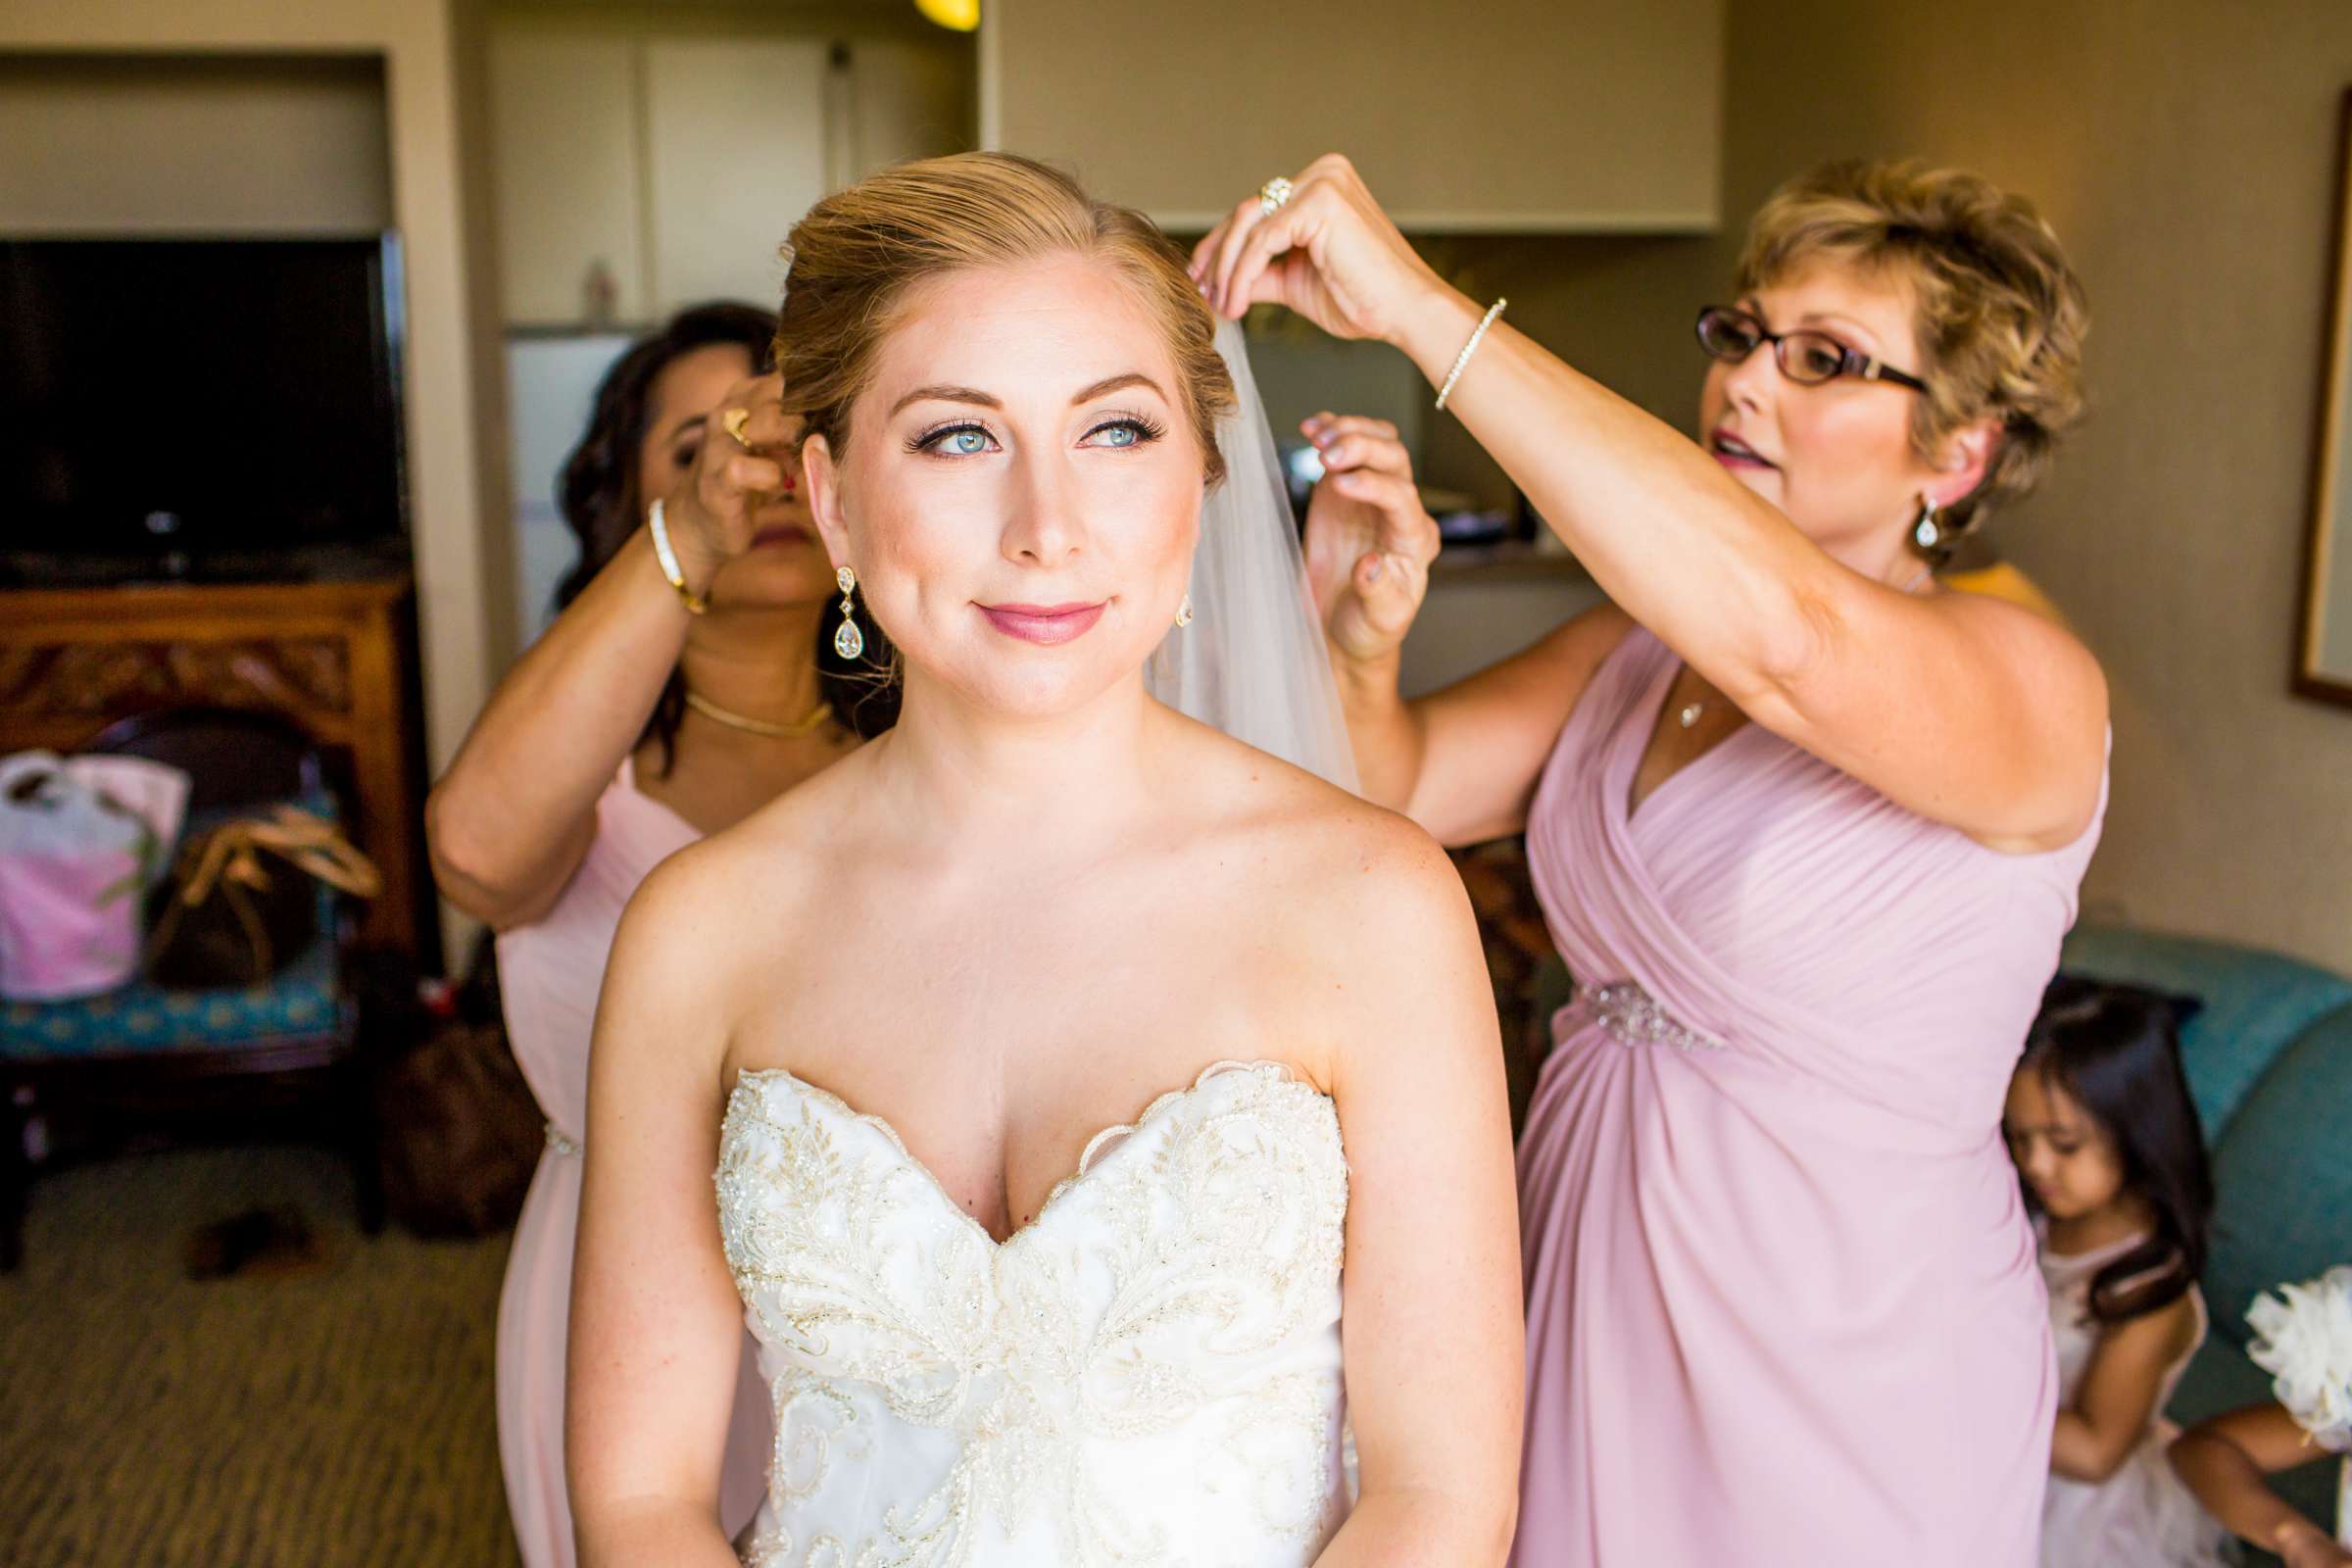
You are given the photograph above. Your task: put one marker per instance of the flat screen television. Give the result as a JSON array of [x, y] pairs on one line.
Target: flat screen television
[[198, 407]]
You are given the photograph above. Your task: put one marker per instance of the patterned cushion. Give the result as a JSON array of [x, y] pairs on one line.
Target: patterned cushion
[[2256, 1003], [302, 1001]]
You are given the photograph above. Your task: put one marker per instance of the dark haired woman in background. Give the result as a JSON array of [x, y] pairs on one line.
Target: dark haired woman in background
[[649, 715], [2106, 1139]]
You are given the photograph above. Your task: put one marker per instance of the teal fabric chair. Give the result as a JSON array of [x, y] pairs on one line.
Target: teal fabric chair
[[2269, 1065], [283, 1057]]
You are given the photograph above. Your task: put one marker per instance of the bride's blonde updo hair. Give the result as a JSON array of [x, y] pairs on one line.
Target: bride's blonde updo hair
[[859, 253]]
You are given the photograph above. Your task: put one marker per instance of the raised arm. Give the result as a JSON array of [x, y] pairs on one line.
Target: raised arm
[[1435, 1340], [507, 823], [1969, 710], [657, 1327]]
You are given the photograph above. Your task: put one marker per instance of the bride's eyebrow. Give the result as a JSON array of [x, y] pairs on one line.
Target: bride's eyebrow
[[985, 400], [946, 394], [1115, 383]]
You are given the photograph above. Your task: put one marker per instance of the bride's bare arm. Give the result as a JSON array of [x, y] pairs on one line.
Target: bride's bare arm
[[1434, 1339], [656, 1324]]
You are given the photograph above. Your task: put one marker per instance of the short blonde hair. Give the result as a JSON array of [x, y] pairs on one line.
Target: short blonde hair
[[858, 253], [2000, 314]]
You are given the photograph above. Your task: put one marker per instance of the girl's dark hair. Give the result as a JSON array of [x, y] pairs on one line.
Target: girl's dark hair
[[2115, 1051], [598, 492]]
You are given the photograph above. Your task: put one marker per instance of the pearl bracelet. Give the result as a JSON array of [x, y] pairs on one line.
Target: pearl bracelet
[[696, 602], [1462, 359]]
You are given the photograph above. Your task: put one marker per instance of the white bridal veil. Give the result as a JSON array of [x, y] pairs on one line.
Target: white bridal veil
[[1252, 661]]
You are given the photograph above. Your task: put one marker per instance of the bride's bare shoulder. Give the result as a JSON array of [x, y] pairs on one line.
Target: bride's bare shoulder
[[1338, 863], [1363, 945], [733, 898]]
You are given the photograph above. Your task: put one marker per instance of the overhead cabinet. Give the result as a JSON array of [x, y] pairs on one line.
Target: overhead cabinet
[[1503, 116]]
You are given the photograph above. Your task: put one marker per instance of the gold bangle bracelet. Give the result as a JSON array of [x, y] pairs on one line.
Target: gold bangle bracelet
[[667, 558]]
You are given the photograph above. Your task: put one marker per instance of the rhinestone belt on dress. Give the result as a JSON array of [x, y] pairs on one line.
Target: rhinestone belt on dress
[[560, 1142], [1634, 1017]]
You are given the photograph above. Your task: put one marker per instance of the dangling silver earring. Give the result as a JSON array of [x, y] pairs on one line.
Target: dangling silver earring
[[1927, 533], [848, 641], [1183, 611]]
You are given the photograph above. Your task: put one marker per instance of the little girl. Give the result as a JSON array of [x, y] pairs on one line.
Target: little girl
[[2106, 1140]]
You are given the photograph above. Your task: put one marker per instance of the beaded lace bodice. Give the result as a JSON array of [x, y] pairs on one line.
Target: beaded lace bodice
[[1148, 1372]]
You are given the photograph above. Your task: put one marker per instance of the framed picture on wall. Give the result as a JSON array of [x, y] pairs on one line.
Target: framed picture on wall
[[2324, 631]]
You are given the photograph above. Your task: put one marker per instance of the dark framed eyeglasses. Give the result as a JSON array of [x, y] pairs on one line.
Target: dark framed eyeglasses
[[1810, 359]]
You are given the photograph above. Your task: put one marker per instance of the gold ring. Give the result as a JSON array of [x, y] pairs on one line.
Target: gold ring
[[733, 422], [1273, 193]]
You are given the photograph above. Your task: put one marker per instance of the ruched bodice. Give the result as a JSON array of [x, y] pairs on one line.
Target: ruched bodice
[[1870, 961], [1147, 1372]]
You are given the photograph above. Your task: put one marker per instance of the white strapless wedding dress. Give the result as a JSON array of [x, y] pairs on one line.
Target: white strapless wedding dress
[[1148, 1372]]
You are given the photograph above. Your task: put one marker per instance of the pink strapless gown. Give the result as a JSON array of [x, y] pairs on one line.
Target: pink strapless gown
[[550, 973], [1782, 1300]]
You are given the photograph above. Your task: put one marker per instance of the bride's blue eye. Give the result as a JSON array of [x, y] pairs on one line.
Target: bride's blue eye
[[954, 441], [1123, 433]]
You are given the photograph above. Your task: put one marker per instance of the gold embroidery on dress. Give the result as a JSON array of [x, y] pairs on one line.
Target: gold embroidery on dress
[[1209, 1238]]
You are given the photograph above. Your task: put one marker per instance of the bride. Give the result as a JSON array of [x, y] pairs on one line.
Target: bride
[[1071, 1068]]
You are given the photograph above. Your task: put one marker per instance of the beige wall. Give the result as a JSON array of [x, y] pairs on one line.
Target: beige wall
[[453, 457], [100, 144], [2186, 151]]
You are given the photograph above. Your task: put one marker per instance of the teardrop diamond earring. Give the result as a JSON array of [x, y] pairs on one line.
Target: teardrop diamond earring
[[848, 641]]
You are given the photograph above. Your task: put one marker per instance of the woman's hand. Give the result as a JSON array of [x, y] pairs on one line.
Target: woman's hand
[[1329, 253], [711, 513], [1369, 541]]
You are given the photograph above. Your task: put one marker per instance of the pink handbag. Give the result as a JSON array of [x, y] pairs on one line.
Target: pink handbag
[[81, 840]]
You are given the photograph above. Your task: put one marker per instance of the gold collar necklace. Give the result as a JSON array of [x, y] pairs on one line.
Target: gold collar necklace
[[759, 726]]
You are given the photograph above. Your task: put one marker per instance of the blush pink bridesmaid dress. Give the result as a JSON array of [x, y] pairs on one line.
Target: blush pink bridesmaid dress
[[550, 973], [1784, 1307]]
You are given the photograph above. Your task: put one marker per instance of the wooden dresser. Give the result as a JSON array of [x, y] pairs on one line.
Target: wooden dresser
[[333, 657]]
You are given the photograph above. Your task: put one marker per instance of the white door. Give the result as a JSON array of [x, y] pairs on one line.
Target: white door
[[735, 131], [563, 137]]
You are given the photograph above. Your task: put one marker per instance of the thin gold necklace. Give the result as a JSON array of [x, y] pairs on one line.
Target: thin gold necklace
[[758, 727]]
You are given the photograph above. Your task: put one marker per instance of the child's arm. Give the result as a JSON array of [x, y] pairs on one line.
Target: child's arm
[[2223, 1460], [2117, 1399]]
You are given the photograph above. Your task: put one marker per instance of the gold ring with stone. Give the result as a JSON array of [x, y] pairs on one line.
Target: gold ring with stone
[[734, 421], [1273, 193]]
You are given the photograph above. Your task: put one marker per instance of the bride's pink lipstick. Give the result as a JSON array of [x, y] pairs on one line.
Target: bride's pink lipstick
[[1044, 623]]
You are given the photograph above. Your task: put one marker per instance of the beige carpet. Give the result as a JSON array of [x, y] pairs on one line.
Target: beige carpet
[[339, 1417]]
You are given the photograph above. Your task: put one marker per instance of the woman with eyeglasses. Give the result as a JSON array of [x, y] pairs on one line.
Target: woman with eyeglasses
[[1808, 828]]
